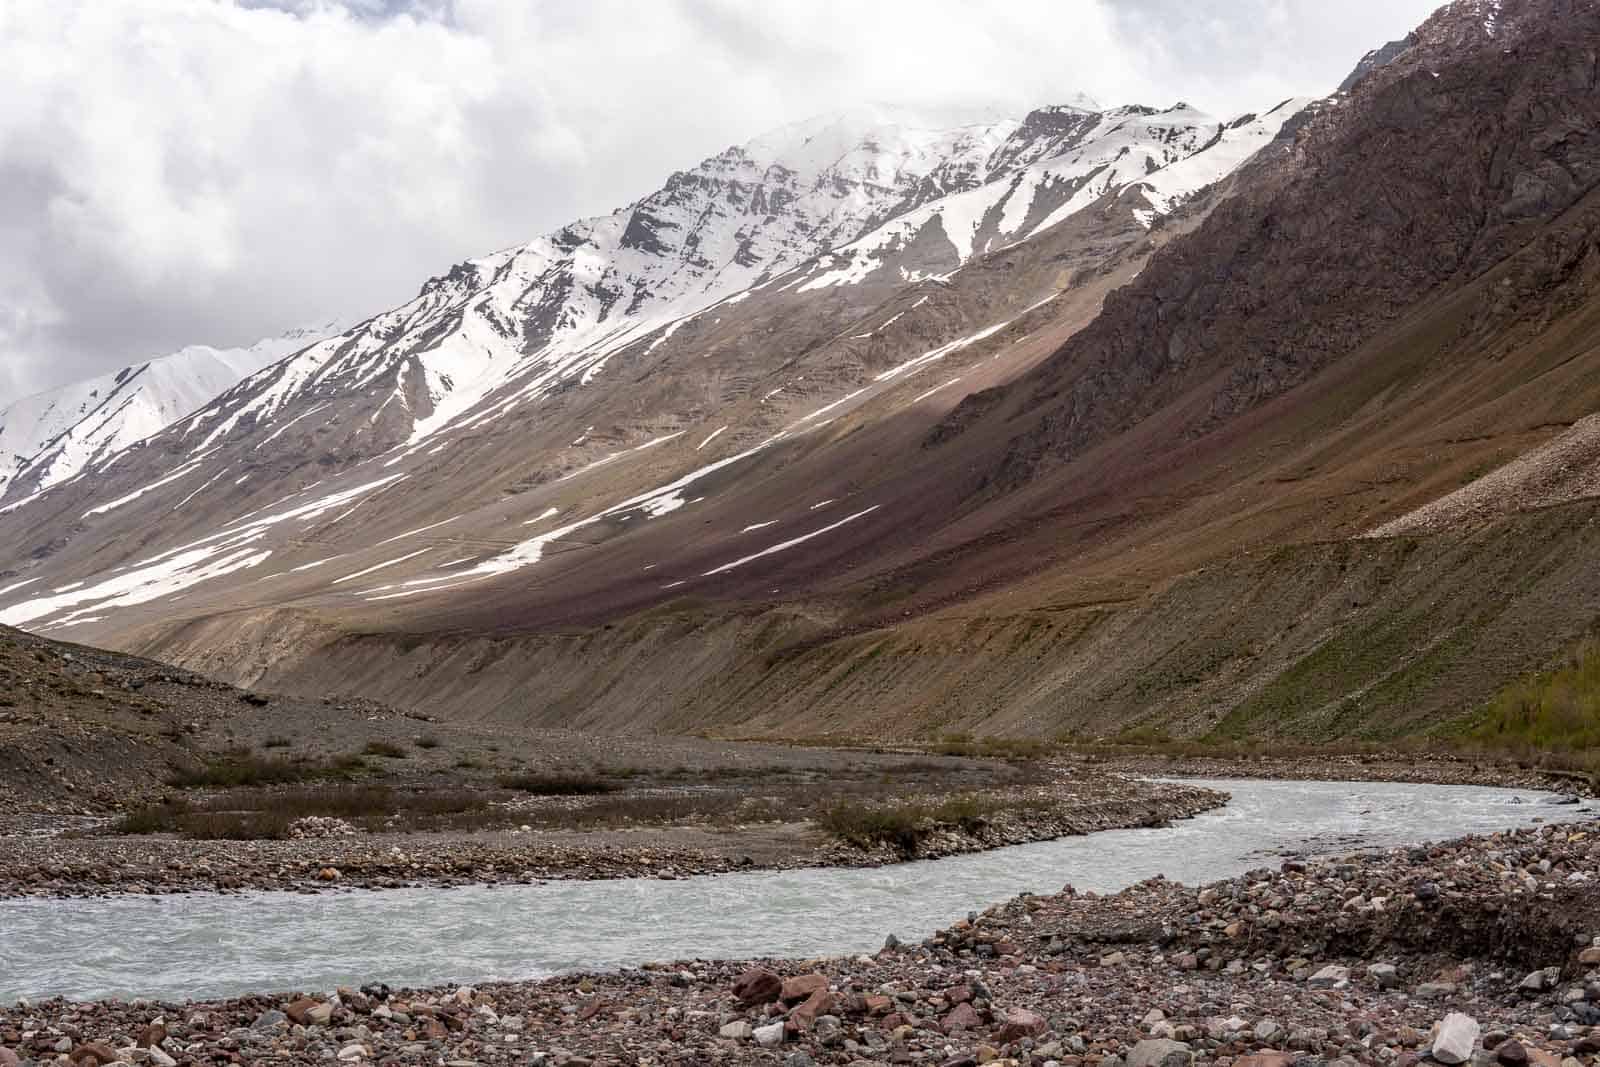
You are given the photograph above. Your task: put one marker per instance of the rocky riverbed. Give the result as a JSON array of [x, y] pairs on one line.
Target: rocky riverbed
[[1481, 951], [99, 864]]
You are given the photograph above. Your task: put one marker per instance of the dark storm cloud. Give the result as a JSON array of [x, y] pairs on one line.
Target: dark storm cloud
[[183, 171]]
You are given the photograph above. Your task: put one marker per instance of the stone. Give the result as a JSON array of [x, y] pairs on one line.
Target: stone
[[799, 1059], [1537, 982], [153, 1034], [1457, 1037], [1268, 1031], [739, 1030], [1330, 977], [159, 1057], [1020, 1023], [1264, 1059], [962, 1017], [1436, 990], [757, 986], [354, 1052], [1160, 1052], [1590, 957], [802, 986], [1511, 1053], [297, 1010], [817, 1004], [269, 1019], [94, 1052], [319, 1015], [1384, 975], [769, 1036], [9, 1058]]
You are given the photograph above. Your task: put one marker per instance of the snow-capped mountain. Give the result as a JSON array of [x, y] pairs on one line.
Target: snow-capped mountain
[[49, 437], [875, 193], [753, 300]]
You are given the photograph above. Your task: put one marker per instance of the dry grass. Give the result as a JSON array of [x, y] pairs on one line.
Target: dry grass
[[556, 785], [256, 814]]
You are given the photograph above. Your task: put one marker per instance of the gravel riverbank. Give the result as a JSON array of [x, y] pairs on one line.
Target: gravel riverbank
[[75, 866], [1479, 951]]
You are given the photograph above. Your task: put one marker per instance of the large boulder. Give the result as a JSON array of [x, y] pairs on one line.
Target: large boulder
[[1160, 1052], [757, 986], [1021, 1023], [1456, 1039], [802, 986]]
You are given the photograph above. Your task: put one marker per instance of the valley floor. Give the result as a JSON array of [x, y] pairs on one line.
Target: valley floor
[[1478, 951]]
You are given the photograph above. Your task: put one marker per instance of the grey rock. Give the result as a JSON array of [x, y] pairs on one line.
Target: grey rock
[[1330, 977], [1160, 1052], [1386, 975]]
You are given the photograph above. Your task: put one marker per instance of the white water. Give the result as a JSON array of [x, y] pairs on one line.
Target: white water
[[209, 945]]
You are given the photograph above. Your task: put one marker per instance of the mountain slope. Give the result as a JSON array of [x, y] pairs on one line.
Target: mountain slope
[[48, 438], [1164, 520], [712, 311], [1124, 469]]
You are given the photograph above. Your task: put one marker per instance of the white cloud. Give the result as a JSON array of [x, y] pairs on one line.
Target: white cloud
[[182, 171]]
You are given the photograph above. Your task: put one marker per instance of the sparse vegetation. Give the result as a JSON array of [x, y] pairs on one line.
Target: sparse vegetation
[[427, 741], [903, 825], [385, 749], [239, 768], [1556, 710], [557, 785], [257, 814]]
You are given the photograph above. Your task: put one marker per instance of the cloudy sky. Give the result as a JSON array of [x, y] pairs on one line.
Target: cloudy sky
[[202, 171]]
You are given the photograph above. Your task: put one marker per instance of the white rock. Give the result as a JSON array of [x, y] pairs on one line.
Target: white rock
[[1457, 1037], [738, 1030], [769, 1036]]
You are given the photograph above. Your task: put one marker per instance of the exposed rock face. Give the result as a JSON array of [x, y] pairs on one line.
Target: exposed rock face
[[1437, 167]]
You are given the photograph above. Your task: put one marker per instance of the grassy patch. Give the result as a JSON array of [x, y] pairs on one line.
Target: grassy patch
[[903, 825], [385, 749], [427, 741], [1555, 710]]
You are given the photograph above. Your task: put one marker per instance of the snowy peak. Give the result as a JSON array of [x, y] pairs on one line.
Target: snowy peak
[[50, 437]]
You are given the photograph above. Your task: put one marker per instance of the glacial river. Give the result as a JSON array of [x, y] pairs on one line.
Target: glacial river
[[210, 945]]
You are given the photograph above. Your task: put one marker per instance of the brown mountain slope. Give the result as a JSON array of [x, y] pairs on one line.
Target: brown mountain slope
[[1158, 517]]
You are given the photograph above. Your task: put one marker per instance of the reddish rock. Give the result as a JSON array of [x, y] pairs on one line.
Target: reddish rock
[[961, 1017], [9, 1058], [590, 1010], [757, 986], [94, 1052], [818, 1003], [878, 1005], [299, 1011], [1021, 1023], [802, 986], [153, 1035], [958, 994], [1265, 1059]]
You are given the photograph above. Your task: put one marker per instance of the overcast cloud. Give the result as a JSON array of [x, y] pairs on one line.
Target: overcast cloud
[[196, 171]]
